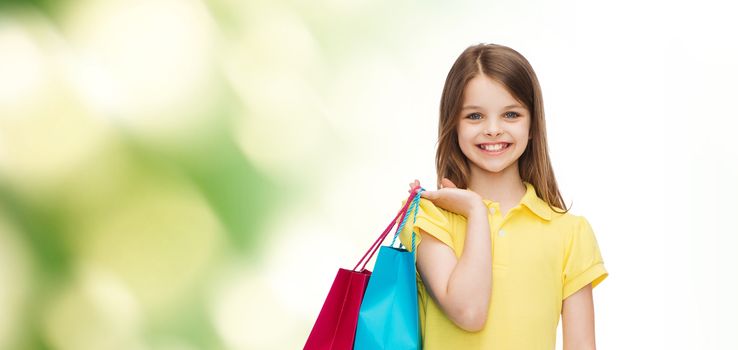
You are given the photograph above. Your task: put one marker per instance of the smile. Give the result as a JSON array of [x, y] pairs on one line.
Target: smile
[[494, 149]]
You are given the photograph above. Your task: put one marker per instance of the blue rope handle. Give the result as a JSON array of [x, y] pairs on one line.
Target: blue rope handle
[[413, 206], [400, 227]]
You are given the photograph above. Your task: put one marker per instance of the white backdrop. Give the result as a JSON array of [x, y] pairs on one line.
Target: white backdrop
[[641, 125]]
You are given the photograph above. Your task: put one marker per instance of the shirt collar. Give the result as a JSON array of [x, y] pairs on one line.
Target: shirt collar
[[533, 202]]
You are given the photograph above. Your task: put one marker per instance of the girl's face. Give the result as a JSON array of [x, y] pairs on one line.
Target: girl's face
[[492, 117]]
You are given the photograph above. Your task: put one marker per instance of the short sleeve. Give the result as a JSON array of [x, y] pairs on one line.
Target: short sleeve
[[431, 219], [582, 260]]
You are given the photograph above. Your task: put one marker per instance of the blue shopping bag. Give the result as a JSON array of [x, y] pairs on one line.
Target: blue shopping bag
[[388, 317]]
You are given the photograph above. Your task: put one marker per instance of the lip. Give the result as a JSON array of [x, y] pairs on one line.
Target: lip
[[492, 143], [479, 146]]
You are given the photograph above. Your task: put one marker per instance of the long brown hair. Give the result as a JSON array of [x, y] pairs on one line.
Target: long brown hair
[[513, 71]]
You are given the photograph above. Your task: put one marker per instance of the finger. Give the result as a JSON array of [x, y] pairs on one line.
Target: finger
[[413, 185], [430, 195], [448, 183]]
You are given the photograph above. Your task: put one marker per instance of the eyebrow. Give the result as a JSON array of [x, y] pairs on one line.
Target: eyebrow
[[506, 107]]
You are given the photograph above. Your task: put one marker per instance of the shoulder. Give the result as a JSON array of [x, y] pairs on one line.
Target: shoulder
[[428, 211], [570, 224], [431, 219]]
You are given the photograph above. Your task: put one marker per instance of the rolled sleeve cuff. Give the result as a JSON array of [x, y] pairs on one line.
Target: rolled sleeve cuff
[[595, 274]]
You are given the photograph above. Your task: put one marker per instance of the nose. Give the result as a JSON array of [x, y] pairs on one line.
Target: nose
[[492, 129]]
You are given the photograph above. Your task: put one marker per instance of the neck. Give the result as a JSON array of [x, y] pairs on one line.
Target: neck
[[503, 187]]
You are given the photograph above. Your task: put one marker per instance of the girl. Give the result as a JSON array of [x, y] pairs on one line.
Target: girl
[[498, 260]]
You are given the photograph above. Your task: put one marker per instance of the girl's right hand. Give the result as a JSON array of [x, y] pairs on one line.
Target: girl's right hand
[[451, 198]]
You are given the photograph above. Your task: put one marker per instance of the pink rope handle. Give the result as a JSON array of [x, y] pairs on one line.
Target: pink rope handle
[[375, 246]]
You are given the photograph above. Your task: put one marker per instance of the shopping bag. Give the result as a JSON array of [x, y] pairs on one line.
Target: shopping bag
[[335, 327], [388, 317], [336, 322]]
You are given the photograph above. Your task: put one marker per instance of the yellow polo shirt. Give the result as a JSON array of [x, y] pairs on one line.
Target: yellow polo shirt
[[539, 258]]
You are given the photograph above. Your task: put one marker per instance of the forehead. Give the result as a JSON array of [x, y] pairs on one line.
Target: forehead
[[486, 92]]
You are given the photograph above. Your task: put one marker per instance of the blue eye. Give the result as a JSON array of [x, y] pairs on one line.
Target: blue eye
[[470, 116], [509, 115]]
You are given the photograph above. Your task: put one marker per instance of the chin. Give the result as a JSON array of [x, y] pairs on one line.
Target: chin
[[495, 170]]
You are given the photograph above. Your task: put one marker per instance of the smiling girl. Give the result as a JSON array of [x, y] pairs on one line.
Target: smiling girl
[[498, 260]]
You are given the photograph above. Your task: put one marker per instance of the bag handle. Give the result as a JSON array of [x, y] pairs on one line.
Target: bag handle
[[416, 204], [415, 192]]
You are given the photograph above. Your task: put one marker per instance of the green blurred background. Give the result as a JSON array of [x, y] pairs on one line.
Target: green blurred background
[[163, 164], [190, 174]]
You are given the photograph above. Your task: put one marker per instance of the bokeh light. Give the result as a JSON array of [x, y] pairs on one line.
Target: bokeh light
[[190, 174]]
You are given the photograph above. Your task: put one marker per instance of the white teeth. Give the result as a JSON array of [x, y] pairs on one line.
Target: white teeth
[[495, 147]]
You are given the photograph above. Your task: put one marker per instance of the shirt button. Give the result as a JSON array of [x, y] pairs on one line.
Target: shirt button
[[502, 233]]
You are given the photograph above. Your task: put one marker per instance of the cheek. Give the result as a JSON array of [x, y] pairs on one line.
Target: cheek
[[464, 143], [522, 134], [465, 138], [466, 132]]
